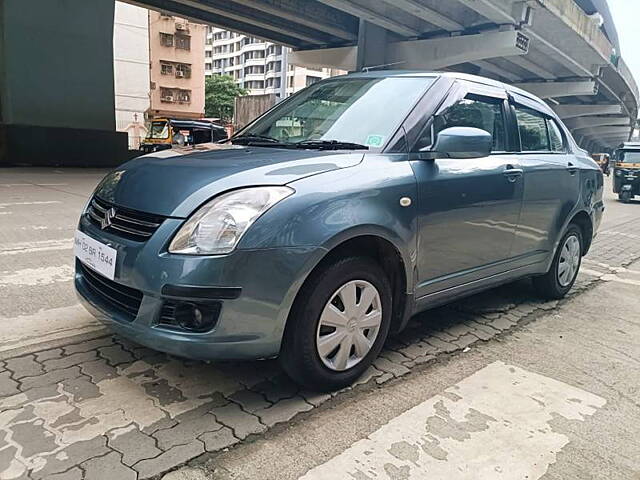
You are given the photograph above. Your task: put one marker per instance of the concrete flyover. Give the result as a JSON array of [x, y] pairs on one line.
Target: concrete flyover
[[554, 48], [59, 109]]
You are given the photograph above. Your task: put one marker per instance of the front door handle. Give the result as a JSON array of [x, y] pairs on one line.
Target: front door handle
[[512, 173], [571, 168]]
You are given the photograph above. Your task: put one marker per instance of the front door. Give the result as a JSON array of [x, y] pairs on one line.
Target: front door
[[468, 208]]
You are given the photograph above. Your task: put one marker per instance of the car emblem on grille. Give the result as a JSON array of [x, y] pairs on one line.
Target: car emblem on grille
[[109, 215]]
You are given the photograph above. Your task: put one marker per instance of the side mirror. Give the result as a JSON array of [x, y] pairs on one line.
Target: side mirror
[[460, 142]]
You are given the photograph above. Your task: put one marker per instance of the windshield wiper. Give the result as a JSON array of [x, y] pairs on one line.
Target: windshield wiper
[[331, 145], [261, 140]]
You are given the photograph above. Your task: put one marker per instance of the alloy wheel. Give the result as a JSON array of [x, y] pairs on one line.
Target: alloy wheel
[[349, 325]]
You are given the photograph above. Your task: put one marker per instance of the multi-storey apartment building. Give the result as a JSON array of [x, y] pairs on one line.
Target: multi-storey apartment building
[[176, 62], [259, 66]]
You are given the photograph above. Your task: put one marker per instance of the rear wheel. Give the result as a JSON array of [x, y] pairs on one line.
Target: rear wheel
[[338, 324], [625, 197], [557, 282]]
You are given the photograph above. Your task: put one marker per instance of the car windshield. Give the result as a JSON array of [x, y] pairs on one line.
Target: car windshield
[[630, 157], [159, 130], [358, 111]]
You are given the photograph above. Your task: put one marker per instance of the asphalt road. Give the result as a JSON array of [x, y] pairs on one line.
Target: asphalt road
[[76, 402]]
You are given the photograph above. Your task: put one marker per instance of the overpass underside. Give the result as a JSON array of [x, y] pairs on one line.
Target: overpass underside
[[550, 48], [56, 60]]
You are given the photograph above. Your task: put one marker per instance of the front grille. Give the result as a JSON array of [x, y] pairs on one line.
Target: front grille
[[126, 223], [125, 300]]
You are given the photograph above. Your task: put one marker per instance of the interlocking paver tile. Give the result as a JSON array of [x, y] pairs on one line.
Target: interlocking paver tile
[[169, 459], [133, 444], [214, 441], [283, 411], [73, 474], [48, 354], [190, 425], [242, 423], [50, 378], [24, 366], [88, 345], [116, 355], [250, 400], [8, 386], [68, 457], [98, 370], [107, 467], [395, 369]]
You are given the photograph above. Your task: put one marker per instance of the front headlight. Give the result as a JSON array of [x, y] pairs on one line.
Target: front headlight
[[217, 226]]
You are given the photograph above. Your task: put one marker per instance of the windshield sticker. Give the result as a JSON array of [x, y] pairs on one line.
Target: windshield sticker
[[375, 141]]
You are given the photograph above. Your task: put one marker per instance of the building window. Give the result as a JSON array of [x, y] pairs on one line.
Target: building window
[[166, 95], [311, 80], [184, 96], [207, 66], [183, 42], [183, 70], [166, 39], [208, 54], [166, 68]]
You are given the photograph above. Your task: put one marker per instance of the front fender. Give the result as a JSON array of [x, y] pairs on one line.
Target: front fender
[[334, 207]]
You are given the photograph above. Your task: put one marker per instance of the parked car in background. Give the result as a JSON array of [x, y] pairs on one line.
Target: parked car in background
[[626, 171], [325, 224], [165, 133]]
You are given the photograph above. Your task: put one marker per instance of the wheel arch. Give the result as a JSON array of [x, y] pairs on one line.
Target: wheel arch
[[377, 245], [583, 220]]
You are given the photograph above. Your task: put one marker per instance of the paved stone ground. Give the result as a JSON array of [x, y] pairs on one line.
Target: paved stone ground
[[109, 409]]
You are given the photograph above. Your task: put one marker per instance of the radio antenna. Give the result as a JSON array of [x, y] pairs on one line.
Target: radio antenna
[[378, 67]]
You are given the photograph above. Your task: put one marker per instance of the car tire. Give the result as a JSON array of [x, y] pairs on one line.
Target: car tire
[[310, 323], [555, 284], [625, 197]]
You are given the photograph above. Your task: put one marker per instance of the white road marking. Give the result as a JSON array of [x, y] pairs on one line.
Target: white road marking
[[496, 423], [14, 204], [37, 276], [615, 278], [37, 246], [593, 273], [8, 185], [620, 234], [44, 326]]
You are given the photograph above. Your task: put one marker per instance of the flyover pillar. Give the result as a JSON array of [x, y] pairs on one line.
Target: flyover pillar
[[56, 84], [372, 45]]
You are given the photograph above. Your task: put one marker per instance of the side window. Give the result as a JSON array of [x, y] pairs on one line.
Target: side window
[[555, 136], [533, 130], [478, 112]]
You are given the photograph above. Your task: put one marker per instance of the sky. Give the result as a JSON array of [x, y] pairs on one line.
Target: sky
[[626, 15]]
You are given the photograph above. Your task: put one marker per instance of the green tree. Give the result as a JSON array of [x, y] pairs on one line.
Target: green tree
[[220, 93]]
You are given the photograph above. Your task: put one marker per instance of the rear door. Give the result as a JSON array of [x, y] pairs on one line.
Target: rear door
[[551, 181], [468, 209]]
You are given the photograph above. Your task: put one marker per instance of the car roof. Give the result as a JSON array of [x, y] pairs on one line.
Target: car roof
[[434, 74], [629, 146]]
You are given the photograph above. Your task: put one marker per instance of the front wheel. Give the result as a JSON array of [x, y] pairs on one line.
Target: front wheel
[[557, 282], [338, 324], [625, 197]]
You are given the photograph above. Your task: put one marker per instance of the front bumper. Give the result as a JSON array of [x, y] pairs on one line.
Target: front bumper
[[255, 290]]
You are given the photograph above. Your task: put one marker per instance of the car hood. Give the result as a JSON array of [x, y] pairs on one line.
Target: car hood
[[175, 182]]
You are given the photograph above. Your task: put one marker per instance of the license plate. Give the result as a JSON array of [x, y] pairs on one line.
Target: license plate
[[95, 255]]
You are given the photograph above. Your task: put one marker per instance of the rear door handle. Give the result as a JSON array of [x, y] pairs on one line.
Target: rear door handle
[[571, 168], [512, 173]]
